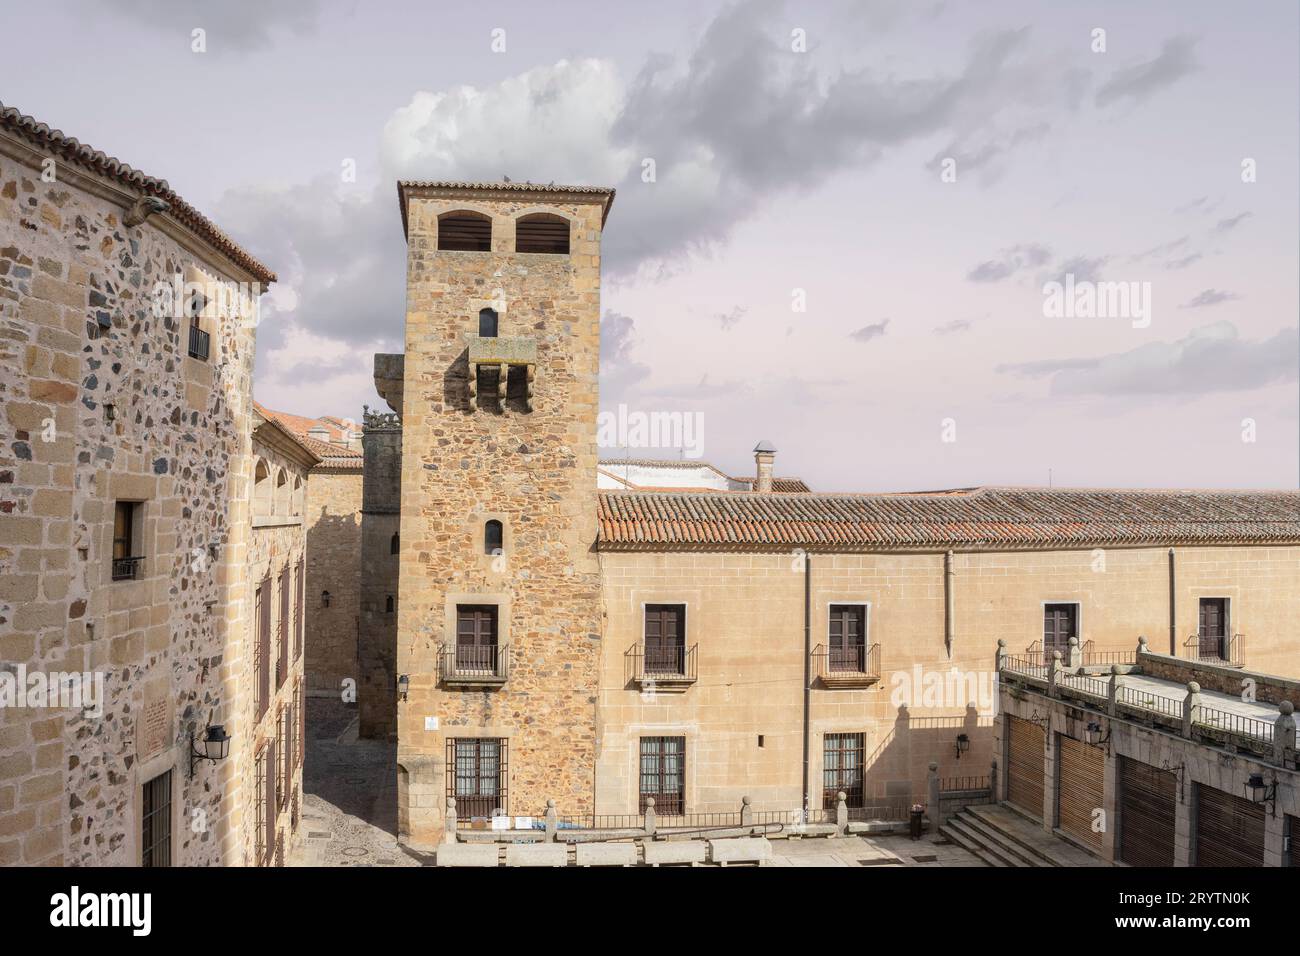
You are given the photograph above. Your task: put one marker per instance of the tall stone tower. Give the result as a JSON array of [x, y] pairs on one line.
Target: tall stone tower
[[499, 617]]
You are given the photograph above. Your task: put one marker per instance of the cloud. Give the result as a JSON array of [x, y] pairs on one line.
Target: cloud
[[1231, 223], [1184, 262], [1083, 268], [728, 320], [231, 25], [1209, 359], [1210, 297], [954, 327], [1009, 262], [619, 370], [1138, 82], [869, 332]]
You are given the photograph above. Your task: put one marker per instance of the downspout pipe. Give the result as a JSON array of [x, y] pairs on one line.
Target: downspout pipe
[[807, 675], [1173, 620], [948, 602]]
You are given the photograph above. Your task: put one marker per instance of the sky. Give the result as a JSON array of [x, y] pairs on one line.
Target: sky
[[915, 244]]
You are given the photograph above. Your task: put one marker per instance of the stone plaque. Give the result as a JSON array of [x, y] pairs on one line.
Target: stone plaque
[[153, 724]]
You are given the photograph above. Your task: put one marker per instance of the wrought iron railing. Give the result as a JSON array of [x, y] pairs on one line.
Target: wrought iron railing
[[1094, 658], [468, 662], [1024, 665], [955, 784], [1233, 728], [1216, 648], [1082, 685], [199, 343], [1137, 699], [664, 664], [127, 569], [840, 663]]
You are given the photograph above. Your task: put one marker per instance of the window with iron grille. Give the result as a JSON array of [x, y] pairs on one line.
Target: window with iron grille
[[288, 720], [298, 722], [477, 775], [126, 562], [663, 773], [156, 821], [302, 723], [281, 752], [265, 809], [842, 769], [282, 665], [262, 648], [300, 594]]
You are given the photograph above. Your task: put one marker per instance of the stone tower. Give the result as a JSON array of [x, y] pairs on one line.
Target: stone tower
[[498, 628]]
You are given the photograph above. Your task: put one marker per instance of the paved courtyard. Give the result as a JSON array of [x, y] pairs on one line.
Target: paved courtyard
[[349, 815]]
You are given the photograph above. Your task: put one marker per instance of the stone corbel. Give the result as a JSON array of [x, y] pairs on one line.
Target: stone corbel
[[473, 383], [530, 374], [503, 378]]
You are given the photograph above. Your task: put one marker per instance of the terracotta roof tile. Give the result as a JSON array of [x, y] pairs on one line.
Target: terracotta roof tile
[[982, 519], [55, 142]]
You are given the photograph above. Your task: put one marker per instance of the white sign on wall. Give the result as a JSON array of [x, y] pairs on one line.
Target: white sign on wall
[[431, 723]]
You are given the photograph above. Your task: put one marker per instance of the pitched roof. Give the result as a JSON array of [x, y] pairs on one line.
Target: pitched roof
[[56, 142], [980, 519], [604, 193], [333, 454]]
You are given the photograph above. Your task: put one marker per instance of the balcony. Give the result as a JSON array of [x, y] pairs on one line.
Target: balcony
[[662, 669], [855, 666], [127, 569], [474, 665], [199, 342], [1221, 649], [502, 353]]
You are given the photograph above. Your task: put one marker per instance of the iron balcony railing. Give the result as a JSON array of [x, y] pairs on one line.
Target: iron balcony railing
[[1095, 658], [1237, 729], [474, 663], [659, 665], [852, 664], [1216, 648], [199, 343], [127, 569]]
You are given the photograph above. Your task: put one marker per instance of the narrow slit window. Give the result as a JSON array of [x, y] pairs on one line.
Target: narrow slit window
[[493, 537], [488, 321], [394, 543]]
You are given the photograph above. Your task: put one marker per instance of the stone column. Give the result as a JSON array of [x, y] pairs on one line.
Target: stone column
[[449, 824], [1112, 691], [552, 821], [1274, 834], [1183, 821], [932, 793], [1049, 772], [648, 823], [746, 813], [1191, 707], [1110, 801], [1284, 732], [1075, 659], [1000, 656], [1053, 673], [842, 813]]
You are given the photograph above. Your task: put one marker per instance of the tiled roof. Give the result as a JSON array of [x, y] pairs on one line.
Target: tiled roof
[[982, 519], [54, 142], [331, 454], [606, 193]]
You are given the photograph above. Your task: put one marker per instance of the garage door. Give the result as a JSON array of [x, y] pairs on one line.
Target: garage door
[[1229, 829], [1025, 768], [1079, 791], [1146, 819]]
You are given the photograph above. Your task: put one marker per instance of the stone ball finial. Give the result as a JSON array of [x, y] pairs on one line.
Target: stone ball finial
[[745, 801], [842, 795], [550, 804], [1142, 640], [1286, 707], [1002, 642], [1193, 687], [1056, 655], [1114, 668], [1074, 642], [451, 803], [934, 765], [649, 803]]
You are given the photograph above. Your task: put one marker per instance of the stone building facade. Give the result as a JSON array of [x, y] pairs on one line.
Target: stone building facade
[[125, 532], [380, 548], [604, 633]]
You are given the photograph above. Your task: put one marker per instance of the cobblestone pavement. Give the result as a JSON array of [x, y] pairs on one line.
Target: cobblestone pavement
[[349, 815]]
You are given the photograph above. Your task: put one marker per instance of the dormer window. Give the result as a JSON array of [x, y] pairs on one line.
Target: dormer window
[[487, 323]]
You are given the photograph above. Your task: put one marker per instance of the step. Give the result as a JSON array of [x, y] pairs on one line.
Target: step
[[988, 848], [1027, 833], [1007, 843], [970, 846]]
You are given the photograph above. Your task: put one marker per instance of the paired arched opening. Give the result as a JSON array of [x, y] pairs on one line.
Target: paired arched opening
[[542, 232], [464, 231], [261, 489]]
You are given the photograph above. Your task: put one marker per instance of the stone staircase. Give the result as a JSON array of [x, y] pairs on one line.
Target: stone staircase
[[1001, 836]]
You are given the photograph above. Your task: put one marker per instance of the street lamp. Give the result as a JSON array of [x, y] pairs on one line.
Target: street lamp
[[1261, 792], [215, 745], [963, 744], [404, 685]]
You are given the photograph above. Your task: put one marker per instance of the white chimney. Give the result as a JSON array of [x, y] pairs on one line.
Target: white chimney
[[764, 456]]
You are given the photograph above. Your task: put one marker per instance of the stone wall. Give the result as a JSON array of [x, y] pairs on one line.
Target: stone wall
[[465, 463], [380, 525], [275, 558], [77, 337], [333, 565]]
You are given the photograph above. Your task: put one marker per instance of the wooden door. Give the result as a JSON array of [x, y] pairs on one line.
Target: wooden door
[[1081, 774], [1025, 767], [846, 638], [1147, 798], [1060, 623], [664, 638], [1213, 626], [476, 637], [1229, 829]]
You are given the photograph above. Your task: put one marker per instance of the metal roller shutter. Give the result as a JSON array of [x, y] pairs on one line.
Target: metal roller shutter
[[1025, 767], [1147, 797], [1080, 789], [1229, 829]]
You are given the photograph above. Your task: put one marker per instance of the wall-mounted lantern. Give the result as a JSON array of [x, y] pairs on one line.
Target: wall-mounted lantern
[[1092, 735], [1260, 791], [963, 744], [215, 746], [404, 685]]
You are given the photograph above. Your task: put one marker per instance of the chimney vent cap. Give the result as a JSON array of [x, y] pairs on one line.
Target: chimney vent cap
[[766, 446]]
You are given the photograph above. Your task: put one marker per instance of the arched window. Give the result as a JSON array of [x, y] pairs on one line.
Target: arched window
[[324, 599], [394, 544], [492, 537], [542, 232], [487, 323], [261, 489], [464, 231], [388, 605], [281, 505], [297, 495]]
